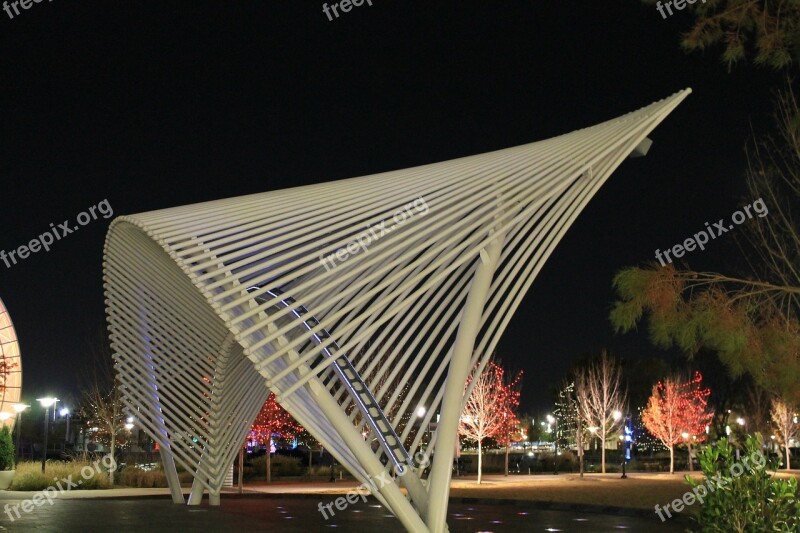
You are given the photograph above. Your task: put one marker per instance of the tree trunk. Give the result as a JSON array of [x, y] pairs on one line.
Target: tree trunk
[[603, 452], [507, 443], [241, 467], [113, 459], [579, 439], [689, 448], [480, 461], [788, 466], [269, 464], [672, 459]]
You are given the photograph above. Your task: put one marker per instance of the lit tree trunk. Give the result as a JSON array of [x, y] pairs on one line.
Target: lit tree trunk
[[241, 468], [788, 466], [480, 461], [689, 448], [603, 450], [579, 439], [113, 459], [507, 443], [269, 462], [672, 459]]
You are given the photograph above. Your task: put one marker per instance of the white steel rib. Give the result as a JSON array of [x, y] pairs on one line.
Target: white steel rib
[[357, 302]]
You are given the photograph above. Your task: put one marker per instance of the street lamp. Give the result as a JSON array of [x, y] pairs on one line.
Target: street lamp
[[18, 408], [628, 437], [46, 403], [64, 412], [552, 420]]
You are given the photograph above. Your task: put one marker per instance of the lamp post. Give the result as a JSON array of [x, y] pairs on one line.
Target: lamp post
[[67, 415], [19, 408], [421, 413], [552, 420], [628, 435], [46, 403]]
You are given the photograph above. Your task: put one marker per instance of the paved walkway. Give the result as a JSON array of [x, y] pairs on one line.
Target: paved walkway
[[294, 506], [298, 514]]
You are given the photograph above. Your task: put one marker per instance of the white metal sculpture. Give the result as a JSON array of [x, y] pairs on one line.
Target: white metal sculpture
[[357, 302]]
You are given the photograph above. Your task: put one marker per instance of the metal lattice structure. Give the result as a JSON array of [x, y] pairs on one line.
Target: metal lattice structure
[[356, 302]]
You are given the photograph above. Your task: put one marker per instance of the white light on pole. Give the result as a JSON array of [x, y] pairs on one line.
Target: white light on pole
[[46, 403]]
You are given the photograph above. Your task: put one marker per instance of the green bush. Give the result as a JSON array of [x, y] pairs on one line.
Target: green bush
[[144, 479], [6, 449], [29, 475], [282, 466], [744, 496]]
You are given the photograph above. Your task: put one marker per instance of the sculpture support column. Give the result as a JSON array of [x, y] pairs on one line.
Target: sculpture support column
[[457, 373], [168, 463]]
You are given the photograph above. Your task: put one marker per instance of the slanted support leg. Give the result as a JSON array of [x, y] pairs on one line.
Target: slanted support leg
[[168, 463], [196, 496], [213, 498], [453, 399]]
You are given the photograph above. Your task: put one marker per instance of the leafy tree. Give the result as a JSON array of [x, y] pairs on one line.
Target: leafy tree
[[272, 420], [6, 449], [784, 416], [750, 502], [489, 410], [601, 398], [677, 411], [767, 31], [570, 428], [750, 321]]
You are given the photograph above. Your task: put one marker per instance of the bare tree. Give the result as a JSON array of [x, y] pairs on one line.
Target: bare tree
[[601, 399], [102, 406], [785, 419]]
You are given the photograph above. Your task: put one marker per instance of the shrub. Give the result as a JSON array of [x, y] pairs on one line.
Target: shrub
[[143, 479], [282, 466], [29, 475], [6, 449], [753, 501]]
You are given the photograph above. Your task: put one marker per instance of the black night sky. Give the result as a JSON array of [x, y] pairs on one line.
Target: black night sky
[[158, 104]]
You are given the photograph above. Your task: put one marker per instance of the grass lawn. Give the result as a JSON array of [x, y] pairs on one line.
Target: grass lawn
[[642, 491], [637, 491]]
